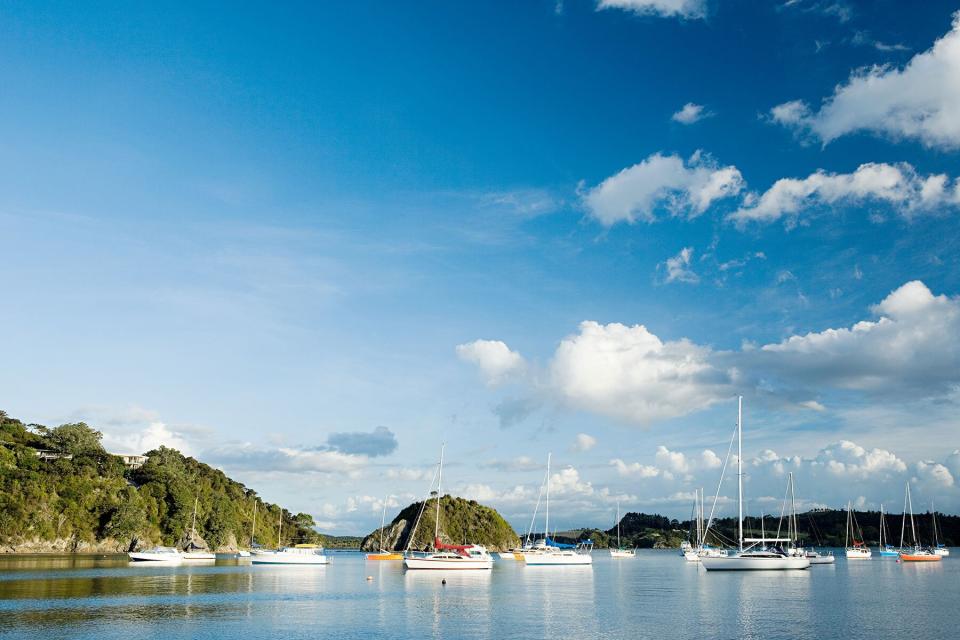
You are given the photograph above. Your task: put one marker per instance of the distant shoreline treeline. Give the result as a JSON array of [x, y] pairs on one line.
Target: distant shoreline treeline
[[82, 498]]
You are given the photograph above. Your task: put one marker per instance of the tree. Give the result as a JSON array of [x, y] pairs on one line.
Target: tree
[[129, 518], [76, 438]]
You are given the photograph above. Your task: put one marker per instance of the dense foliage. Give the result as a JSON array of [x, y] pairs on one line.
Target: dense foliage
[[461, 522], [84, 497]]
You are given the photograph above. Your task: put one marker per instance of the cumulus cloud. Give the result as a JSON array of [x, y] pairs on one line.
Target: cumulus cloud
[[153, 436], [686, 9], [634, 469], [911, 347], [920, 101], [894, 185], [678, 268], [627, 372], [847, 459], [380, 442], [662, 183], [493, 357], [584, 442], [690, 113]]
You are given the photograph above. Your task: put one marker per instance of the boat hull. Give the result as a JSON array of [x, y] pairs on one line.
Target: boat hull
[[941, 552], [508, 555], [912, 557], [739, 563], [384, 556], [557, 559], [622, 553], [291, 558], [859, 554], [472, 564], [199, 555], [821, 559], [138, 556]]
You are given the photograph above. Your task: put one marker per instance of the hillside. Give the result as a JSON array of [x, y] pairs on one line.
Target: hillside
[[819, 528], [81, 498], [460, 521]]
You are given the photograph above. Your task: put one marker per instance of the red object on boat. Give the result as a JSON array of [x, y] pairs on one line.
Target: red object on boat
[[460, 549]]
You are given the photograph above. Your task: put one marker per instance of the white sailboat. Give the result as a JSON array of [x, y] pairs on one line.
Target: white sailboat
[[311, 554], [859, 549], [939, 548], [196, 553], [551, 552], [751, 558], [245, 553], [620, 552], [383, 554], [447, 556], [793, 532]]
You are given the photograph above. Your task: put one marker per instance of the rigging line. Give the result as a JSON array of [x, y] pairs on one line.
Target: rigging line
[[423, 506], [720, 484]]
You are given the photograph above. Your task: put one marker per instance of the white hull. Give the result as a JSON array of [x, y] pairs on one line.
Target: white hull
[[283, 557], [199, 555], [741, 563], [622, 553], [691, 556], [821, 559], [447, 563], [150, 556], [859, 554], [507, 555], [941, 552], [558, 558]]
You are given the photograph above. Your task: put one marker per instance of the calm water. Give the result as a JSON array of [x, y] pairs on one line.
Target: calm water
[[656, 595]]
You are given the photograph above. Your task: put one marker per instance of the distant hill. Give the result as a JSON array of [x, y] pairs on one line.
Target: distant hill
[[78, 497], [460, 521], [818, 528]]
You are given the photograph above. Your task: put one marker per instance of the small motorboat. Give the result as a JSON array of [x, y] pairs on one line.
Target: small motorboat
[[297, 554], [157, 554]]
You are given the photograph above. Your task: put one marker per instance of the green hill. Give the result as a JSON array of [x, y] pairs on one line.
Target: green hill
[[461, 521], [78, 497]]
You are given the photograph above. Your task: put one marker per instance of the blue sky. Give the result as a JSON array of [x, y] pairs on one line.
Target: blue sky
[[274, 237]]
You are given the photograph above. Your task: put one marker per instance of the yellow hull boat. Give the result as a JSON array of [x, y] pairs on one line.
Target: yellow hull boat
[[385, 555]]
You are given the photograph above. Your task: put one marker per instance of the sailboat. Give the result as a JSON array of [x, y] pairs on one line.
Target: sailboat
[[939, 548], [859, 549], [195, 553], [751, 558], [793, 532], [550, 552], [885, 549], [917, 553], [620, 552], [447, 556], [383, 554], [297, 554]]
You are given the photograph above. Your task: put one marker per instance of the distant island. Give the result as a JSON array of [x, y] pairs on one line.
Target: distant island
[[60, 491]]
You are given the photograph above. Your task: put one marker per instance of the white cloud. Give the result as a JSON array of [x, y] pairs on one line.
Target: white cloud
[[912, 347], [933, 475], [584, 442], [630, 374], [921, 101], [894, 185], [662, 183], [567, 482], [250, 457], [689, 9], [674, 461], [494, 358], [690, 113], [634, 469], [678, 267], [156, 434], [847, 459]]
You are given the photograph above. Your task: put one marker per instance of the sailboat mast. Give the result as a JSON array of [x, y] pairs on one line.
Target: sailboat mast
[[881, 527], [253, 525], [740, 471], [280, 528], [546, 532], [846, 529], [436, 525], [618, 524], [383, 520], [903, 520], [933, 521], [193, 527], [795, 535], [913, 530]]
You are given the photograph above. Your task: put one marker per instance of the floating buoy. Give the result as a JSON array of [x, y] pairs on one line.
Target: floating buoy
[[444, 581], [369, 578]]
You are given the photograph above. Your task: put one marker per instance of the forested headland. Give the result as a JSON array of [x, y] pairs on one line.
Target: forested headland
[[78, 497]]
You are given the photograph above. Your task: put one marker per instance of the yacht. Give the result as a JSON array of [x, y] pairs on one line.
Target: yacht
[[885, 549], [859, 549], [938, 548], [916, 553], [383, 554], [752, 557], [620, 552], [555, 553], [446, 556], [793, 532], [157, 554], [297, 554], [192, 551]]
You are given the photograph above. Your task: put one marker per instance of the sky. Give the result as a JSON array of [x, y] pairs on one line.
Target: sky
[[309, 243]]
